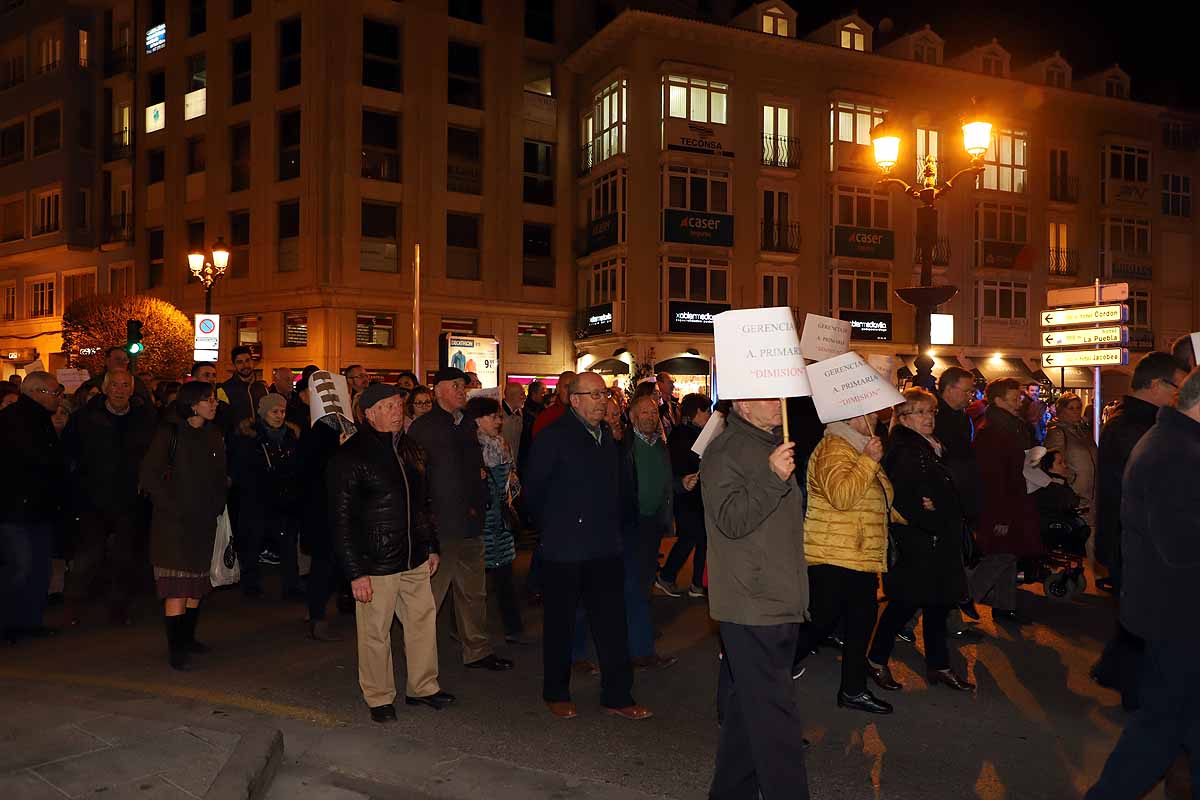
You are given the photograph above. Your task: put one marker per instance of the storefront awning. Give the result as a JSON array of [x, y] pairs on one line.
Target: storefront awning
[[1004, 367], [610, 366], [683, 365]]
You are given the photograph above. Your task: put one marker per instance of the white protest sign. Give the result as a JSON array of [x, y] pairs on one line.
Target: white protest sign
[[758, 354], [493, 393], [824, 337], [846, 386], [1196, 347], [885, 365], [328, 394], [72, 379], [35, 366], [714, 426]]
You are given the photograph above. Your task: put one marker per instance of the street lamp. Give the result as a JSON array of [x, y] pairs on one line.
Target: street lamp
[[925, 297], [207, 271]]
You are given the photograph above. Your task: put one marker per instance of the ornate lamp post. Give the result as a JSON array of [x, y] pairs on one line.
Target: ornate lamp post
[[925, 297], [207, 271]]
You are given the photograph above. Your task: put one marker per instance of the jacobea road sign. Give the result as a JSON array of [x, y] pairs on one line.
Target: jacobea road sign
[[1083, 316], [1113, 356], [1117, 334]]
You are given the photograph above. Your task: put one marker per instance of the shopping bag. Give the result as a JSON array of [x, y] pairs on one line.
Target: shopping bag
[[224, 569]]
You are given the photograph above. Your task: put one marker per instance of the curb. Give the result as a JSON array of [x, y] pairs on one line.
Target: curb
[[251, 767]]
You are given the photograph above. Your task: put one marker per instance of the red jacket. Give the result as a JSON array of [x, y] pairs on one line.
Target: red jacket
[[1008, 520]]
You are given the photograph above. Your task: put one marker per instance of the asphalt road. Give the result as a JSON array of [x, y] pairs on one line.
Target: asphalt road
[[1036, 728]]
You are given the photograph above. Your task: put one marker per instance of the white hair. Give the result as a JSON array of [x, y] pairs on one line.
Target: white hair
[[35, 381]]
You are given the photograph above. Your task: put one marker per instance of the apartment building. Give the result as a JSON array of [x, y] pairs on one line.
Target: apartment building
[[731, 166]]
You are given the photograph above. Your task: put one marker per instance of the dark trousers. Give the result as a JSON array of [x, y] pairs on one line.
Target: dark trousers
[[320, 585], [505, 591], [691, 536], [895, 617], [1120, 665], [1166, 724], [104, 563], [261, 528], [760, 749], [24, 573], [837, 594], [599, 584]]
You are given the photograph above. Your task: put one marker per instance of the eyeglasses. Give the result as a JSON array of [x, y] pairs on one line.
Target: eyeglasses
[[56, 393], [422, 404], [1174, 386], [595, 394], [929, 412]]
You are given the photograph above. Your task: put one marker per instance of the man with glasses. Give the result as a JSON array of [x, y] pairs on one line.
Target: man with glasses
[[33, 474]]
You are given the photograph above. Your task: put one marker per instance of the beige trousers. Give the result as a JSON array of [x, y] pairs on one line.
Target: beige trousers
[[408, 596], [462, 567]]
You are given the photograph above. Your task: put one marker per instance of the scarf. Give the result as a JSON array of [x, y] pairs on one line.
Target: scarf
[[843, 429], [495, 450], [935, 444]]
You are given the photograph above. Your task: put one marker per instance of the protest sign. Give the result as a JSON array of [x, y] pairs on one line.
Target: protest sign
[[714, 426], [1196, 346], [824, 337], [885, 365], [72, 379], [35, 366], [493, 393], [758, 354], [328, 394], [846, 386]]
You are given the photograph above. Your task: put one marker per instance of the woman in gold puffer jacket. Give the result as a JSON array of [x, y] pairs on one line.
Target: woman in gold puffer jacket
[[845, 544]]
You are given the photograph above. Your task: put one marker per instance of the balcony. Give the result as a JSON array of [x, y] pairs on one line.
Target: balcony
[[119, 228], [120, 146], [464, 176], [586, 161], [1063, 261], [1064, 188], [381, 165], [43, 228], [16, 76], [1141, 339], [48, 67], [781, 151], [781, 237], [941, 251], [118, 60]]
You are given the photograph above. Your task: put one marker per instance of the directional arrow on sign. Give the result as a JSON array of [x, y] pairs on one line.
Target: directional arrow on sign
[[1114, 356], [1089, 315], [1117, 334]]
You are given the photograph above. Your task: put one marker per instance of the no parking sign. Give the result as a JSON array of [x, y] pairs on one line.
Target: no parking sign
[[207, 341]]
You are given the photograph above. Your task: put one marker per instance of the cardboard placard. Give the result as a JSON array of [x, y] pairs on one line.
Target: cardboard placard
[[824, 337], [1195, 337], [885, 365], [846, 386], [493, 393], [35, 366], [758, 354], [328, 394], [710, 431], [72, 379]]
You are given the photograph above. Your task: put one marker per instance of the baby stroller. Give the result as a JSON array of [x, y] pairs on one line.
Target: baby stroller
[[1064, 532]]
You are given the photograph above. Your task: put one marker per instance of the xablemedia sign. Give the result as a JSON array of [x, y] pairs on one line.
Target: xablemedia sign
[[599, 319], [684, 317], [696, 137], [863, 242], [871, 326], [697, 227]]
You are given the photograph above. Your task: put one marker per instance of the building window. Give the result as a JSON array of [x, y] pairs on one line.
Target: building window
[[1002, 300], [853, 37], [240, 58], [695, 189], [997, 223], [858, 207], [467, 326], [83, 210], [288, 236], [374, 330], [8, 302], [603, 128], [83, 48], [240, 8], [40, 299], [239, 157], [1176, 195], [470, 10], [382, 56], [156, 84], [1114, 87], [380, 242], [289, 53], [464, 167], [779, 149], [1060, 250], [156, 253], [49, 213], [776, 290], [197, 160], [696, 99], [1056, 77], [537, 251], [533, 338], [607, 198], [925, 53], [195, 237], [1005, 162], [1139, 308], [1127, 236], [462, 246], [538, 174], [697, 279], [1124, 163], [775, 22], [156, 165], [295, 329], [79, 285], [1176, 135], [247, 335], [464, 84], [381, 146], [12, 220], [120, 281], [195, 99], [860, 290], [47, 132], [289, 145], [12, 69], [850, 126], [605, 283], [539, 20], [49, 53], [197, 17], [927, 145], [993, 65], [239, 244], [12, 144]]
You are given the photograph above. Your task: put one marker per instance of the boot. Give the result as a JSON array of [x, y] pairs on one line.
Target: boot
[[177, 655], [322, 632], [192, 616]]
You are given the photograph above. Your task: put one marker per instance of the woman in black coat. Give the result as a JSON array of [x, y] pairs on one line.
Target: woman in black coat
[[928, 573], [184, 475]]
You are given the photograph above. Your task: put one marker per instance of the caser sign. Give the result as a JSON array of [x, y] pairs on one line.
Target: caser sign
[[864, 242], [696, 227]]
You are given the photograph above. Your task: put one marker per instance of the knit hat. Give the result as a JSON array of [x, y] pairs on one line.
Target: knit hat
[[270, 401], [376, 392]]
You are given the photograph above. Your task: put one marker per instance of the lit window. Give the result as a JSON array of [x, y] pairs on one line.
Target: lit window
[[851, 124], [1006, 162], [1176, 195], [78, 286], [40, 299], [49, 213], [775, 22], [295, 329], [374, 330], [696, 99], [853, 38], [603, 128]]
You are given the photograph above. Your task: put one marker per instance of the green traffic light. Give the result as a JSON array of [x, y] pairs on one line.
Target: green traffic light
[[135, 348]]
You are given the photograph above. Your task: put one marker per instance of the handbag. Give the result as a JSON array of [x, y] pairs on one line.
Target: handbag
[[508, 515], [224, 569], [893, 542]]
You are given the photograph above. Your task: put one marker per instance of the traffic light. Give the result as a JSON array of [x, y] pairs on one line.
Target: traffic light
[[133, 337]]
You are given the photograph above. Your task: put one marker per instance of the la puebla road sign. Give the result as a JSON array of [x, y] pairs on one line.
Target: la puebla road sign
[[1110, 357], [1091, 315], [1117, 334]]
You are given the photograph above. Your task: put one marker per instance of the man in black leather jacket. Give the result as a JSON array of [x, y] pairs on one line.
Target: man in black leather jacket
[[382, 533]]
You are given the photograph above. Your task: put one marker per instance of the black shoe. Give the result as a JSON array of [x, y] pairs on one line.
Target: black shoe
[[492, 663], [191, 617], [833, 640], [965, 635], [436, 701], [386, 713], [177, 650], [252, 592], [1010, 616], [865, 701], [969, 610], [883, 677], [948, 677], [345, 603], [906, 635]]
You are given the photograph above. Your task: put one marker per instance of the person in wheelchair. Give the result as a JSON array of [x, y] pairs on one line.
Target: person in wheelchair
[[1060, 509]]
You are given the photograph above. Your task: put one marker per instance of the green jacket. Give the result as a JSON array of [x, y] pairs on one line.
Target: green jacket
[[757, 574]]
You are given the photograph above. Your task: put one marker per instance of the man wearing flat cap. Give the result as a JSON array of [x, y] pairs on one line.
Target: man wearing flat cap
[[388, 548], [458, 495]]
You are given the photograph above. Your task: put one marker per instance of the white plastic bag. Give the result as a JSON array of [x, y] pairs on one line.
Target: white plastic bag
[[224, 569]]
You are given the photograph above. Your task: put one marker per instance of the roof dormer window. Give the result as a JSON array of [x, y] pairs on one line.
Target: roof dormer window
[[993, 65], [1114, 87], [853, 37], [1056, 77], [775, 22], [925, 53]]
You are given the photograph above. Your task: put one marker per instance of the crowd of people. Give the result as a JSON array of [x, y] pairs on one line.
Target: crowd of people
[[947, 500]]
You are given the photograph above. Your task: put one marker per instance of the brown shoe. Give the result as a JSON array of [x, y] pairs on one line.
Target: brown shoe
[[883, 677], [563, 709], [585, 668], [948, 677], [631, 712], [654, 662]]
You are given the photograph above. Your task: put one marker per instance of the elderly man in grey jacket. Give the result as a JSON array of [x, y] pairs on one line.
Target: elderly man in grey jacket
[[758, 593]]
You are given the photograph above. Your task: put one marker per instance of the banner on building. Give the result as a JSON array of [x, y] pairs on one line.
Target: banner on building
[[846, 386], [758, 354]]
